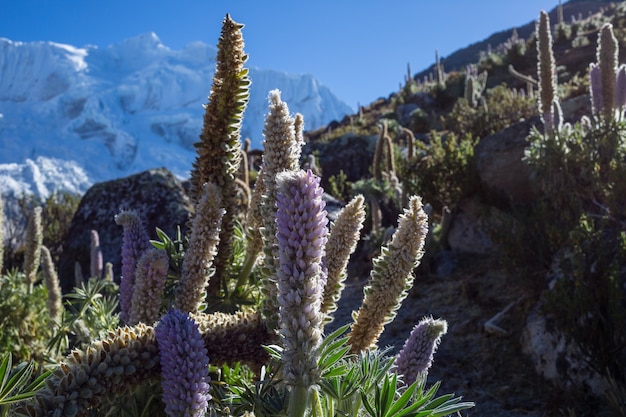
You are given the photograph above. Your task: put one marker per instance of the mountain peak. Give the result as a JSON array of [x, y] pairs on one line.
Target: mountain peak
[[126, 108]]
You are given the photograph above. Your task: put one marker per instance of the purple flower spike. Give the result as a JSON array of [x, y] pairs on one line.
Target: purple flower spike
[[301, 234], [184, 366], [416, 356], [135, 242]]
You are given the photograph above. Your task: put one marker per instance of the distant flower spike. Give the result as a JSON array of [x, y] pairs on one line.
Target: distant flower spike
[[135, 242], [51, 280], [97, 263], [595, 87], [620, 88], [607, 61], [546, 71], [254, 221], [391, 277], [32, 251]]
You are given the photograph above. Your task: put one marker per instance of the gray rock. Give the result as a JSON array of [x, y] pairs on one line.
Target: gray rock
[[554, 355], [556, 358], [499, 157], [500, 164], [349, 153], [576, 107], [157, 194], [470, 227], [403, 113], [333, 206]]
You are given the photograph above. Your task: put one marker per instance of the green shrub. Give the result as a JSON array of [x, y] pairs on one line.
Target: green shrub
[[590, 297], [501, 108], [24, 318], [579, 175], [339, 187], [443, 171]]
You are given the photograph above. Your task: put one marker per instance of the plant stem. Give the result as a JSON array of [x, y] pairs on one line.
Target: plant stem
[[298, 400]]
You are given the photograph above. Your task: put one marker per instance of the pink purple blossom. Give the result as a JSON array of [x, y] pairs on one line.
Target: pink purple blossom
[[416, 357], [301, 233], [184, 366]]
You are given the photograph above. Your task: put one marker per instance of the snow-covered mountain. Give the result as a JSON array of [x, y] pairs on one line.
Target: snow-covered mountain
[[72, 116]]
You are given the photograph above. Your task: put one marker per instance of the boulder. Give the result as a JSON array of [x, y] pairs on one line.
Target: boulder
[[576, 107], [555, 356], [351, 153], [403, 113], [500, 163], [157, 194], [500, 157], [471, 225]]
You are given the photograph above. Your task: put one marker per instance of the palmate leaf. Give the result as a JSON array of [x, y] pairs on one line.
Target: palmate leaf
[[16, 387], [413, 402]]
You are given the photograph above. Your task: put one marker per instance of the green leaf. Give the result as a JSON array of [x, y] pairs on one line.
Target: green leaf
[[367, 405], [333, 357], [16, 388], [439, 401], [274, 351], [158, 245], [423, 399], [5, 367], [387, 394], [335, 372], [451, 408], [403, 400]]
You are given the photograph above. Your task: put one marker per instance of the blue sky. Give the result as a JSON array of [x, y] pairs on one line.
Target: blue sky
[[360, 49]]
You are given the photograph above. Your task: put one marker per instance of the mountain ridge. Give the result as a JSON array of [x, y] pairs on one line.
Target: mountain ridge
[[125, 108]]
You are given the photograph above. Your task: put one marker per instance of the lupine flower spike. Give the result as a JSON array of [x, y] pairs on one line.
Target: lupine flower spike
[[607, 61], [301, 233], [391, 277], [124, 359], [150, 277], [595, 87], [620, 90], [51, 280], [416, 357], [282, 153], [184, 366], [32, 251], [343, 238], [97, 264], [546, 71], [198, 262], [219, 149], [135, 242]]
